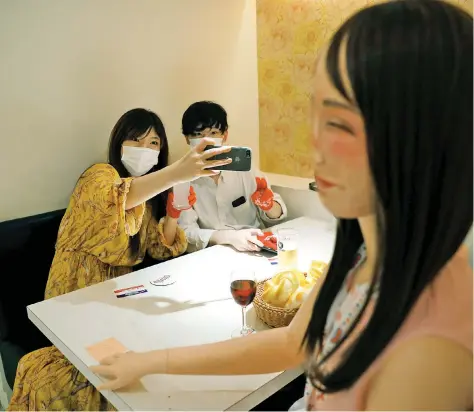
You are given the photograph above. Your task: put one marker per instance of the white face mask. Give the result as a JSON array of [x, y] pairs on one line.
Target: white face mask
[[139, 160], [194, 142]]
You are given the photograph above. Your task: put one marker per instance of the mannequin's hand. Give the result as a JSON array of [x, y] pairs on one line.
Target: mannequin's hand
[[122, 369]]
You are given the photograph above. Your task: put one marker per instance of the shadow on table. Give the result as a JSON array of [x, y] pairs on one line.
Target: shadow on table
[[150, 305]]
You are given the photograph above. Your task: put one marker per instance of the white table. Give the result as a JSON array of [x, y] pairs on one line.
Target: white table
[[197, 309]]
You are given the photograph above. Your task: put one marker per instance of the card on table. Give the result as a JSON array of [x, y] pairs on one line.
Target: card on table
[[132, 290], [105, 348]]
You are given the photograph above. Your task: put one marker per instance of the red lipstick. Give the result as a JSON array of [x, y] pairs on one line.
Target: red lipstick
[[323, 184]]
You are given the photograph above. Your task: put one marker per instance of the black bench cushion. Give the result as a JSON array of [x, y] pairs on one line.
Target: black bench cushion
[[26, 252]]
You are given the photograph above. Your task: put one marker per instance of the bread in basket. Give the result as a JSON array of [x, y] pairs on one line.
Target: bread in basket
[[279, 298]]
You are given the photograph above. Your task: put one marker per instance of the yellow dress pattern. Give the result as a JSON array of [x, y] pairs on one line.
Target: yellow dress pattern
[[93, 245]]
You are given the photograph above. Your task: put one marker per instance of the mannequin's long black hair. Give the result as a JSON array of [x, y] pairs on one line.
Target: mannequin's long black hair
[[410, 68]]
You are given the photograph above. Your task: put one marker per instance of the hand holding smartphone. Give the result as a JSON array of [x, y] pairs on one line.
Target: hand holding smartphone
[[241, 159]]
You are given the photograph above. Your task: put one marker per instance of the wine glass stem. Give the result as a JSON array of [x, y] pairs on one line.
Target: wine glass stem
[[244, 320]]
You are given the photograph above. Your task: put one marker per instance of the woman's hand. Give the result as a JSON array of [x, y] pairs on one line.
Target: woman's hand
[[121, 369], [195, 163]]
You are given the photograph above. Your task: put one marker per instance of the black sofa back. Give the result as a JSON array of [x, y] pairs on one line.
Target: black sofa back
[[26, 252]]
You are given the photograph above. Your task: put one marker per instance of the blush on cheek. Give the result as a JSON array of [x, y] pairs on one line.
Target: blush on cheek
[[351, 152]]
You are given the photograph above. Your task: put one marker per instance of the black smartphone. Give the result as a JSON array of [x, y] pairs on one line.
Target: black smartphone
[[241, 159]]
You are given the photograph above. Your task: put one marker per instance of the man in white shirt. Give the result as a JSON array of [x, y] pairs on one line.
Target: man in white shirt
[[232, 207]]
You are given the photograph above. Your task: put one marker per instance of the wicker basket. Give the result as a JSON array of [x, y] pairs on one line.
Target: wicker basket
[[272, 316]]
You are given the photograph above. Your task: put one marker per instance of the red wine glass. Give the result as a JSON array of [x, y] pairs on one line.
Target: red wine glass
[[243, 287]]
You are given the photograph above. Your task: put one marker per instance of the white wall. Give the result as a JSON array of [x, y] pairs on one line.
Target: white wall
[[69, 69], [303, 203]]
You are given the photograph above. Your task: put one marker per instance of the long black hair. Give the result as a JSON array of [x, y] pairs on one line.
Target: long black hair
[[410, 66], [131, 125]]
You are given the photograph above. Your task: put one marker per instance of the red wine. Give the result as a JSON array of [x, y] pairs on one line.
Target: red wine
[[243, 291]]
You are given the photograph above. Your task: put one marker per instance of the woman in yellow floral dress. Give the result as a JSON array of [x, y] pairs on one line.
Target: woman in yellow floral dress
[[118, 212]]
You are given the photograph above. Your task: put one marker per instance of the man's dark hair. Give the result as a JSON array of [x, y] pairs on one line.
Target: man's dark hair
[[204, 115]]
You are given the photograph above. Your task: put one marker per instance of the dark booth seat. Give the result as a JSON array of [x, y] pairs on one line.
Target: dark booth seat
[[26, 253]]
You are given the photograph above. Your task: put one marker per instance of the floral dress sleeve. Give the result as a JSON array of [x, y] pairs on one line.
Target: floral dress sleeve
[[157, 247], [96, 221]]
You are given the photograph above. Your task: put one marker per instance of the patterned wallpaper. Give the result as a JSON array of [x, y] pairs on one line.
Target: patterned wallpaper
[[289, 35]]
